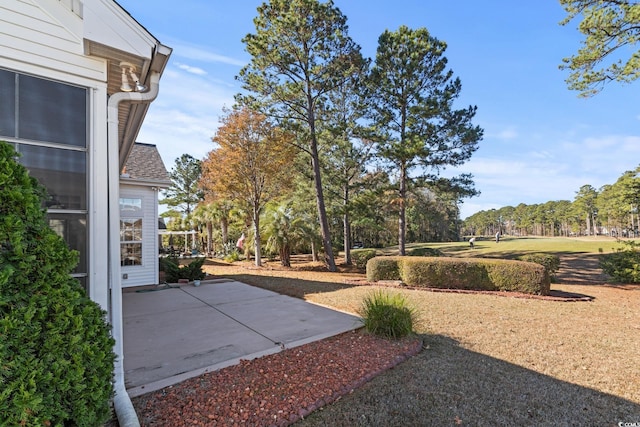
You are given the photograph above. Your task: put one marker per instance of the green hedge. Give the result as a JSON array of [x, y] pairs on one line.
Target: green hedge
[[56, 358], [461, 273], [624, 265], [360, 257], [383, 268], [549, 261], [425, 252]]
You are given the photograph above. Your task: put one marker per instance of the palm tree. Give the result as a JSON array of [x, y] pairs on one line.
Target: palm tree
[[212, 212], [284, 231]]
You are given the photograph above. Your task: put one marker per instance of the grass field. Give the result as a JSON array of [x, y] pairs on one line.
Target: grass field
[[510, 247], [491, 360]]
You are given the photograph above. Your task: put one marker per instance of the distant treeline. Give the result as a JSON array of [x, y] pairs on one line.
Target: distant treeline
[[611, 210]]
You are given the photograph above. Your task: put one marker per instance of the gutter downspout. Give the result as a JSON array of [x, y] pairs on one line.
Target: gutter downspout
[[125, 412]]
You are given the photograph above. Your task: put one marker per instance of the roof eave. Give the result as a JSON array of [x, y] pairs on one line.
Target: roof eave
[[146, 182]]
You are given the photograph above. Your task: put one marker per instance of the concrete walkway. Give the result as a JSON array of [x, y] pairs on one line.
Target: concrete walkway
[[171, 334]]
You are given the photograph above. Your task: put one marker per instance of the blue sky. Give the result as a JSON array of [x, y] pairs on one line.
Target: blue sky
[[541, 142]]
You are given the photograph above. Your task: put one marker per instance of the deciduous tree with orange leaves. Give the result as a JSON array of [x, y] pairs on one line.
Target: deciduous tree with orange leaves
[[250, 164]]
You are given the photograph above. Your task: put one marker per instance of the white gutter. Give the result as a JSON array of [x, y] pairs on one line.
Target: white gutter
[[122, 402]]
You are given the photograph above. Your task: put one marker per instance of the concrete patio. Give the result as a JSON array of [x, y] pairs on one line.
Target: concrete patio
[[175, 333]]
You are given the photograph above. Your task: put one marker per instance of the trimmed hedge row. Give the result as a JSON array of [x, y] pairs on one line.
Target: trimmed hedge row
[[461, 273], [360, 257], [550, 262]]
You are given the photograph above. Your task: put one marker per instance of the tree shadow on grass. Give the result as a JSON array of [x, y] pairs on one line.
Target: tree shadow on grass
[[300, 288], [447, 384], [294, 287]]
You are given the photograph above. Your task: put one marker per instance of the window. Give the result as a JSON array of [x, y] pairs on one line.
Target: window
[[73, 229], [130, 231], [50, 111], [62, 172], [129, 206], [47, 123], [131, 242], [7, 103]]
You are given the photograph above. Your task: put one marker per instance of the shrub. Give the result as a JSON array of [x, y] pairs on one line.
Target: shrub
[[387, 314], [174, 271], [232, 256], [549, 261], [624, 265], [425, 252], [193, 270], [461, 273], [445, 273], [360, 257], [383, 268], [56, 357]]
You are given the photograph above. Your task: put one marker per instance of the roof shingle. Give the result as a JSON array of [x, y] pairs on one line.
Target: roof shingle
[[145, 164]]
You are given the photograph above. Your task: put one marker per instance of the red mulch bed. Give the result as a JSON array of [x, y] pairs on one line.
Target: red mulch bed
[[278, 389]]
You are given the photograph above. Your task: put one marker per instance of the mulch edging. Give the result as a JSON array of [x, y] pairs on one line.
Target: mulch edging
[[278, 389], [554, 295], [414, 349]]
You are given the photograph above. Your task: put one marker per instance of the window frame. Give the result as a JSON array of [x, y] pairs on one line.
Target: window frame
[[137, 240]]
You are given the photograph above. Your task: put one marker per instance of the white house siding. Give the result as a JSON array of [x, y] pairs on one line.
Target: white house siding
[[44, 40], [147, 273], [120, 32], [32, 38]]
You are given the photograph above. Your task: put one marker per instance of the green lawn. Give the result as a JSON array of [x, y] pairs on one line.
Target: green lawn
[[487, 359], [511, 247]]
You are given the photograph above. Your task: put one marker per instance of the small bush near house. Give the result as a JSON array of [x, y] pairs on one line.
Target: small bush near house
[[624, 265], [387, 314], [461, 273], [549, 261], [56, 357], [360, 257], [174, 271]]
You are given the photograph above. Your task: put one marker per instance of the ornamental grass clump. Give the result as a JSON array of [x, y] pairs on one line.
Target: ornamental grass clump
[[387, 314], [56, 357]]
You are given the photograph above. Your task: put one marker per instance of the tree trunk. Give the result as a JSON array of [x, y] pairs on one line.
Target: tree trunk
[[314, 251], [256, 232], [402, 227], [224, 229], [346, 227], [322, 213], [209, 238], [285, 255]]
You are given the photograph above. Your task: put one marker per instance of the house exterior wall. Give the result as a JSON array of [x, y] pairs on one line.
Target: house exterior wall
[[34, 39], [147, 272], [37, 42]]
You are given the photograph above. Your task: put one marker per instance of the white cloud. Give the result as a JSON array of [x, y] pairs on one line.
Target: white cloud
[[509, 133], [543, 154], [604, 155], [202, 53], [193, 70], [553, 173], [186, 114]]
